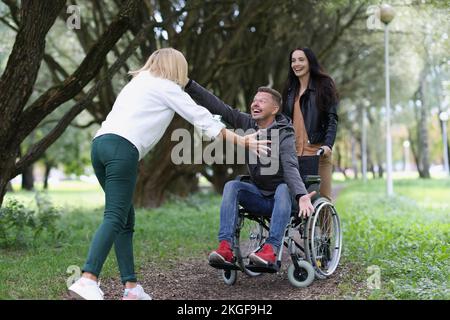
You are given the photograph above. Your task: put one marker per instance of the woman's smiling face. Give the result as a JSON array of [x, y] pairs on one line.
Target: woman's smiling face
[[299, 63]]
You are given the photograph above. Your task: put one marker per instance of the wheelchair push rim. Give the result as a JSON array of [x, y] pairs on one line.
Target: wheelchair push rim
[[324, 238]]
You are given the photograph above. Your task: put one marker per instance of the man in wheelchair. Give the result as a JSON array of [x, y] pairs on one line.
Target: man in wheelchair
[[263, 194]]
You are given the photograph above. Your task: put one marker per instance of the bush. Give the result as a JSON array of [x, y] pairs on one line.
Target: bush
[[21, 226]]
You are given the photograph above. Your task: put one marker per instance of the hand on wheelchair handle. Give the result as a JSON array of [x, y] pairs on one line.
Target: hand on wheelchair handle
[[323, 151], [320, 152], [305, 205]]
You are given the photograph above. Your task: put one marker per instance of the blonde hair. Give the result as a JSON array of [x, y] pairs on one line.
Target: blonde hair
[[166, 63]]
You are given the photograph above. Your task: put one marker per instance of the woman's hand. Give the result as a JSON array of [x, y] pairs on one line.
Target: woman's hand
[[326, 150], [305, 205], [251, 142], [259, 147]]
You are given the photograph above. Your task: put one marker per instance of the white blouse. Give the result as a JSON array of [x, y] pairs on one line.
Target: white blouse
[[145, 107]]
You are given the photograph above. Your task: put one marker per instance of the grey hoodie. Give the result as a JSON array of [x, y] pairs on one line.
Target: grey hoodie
[[288, 172]]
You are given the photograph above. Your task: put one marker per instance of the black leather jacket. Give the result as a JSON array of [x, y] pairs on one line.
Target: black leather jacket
[[321, 126]]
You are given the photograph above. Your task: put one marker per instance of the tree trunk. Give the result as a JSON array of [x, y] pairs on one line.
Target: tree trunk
[[183, 185], [48, 168], [354, 160], [7, 161], [372, 169], [9, 187], [448, 150], [221, 175], [344, 172], [380, 171], [18, 80], [28, 178], [422, 136], [424, 168], [337, 154]]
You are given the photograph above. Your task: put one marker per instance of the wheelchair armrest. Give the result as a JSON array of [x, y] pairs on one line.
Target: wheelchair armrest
[[312, 183], [242, 177], [312, 179]]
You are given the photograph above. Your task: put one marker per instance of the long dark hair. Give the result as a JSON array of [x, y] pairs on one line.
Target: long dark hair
[[326, 92]]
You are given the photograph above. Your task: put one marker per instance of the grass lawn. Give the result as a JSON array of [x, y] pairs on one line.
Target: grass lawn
[[407, 237], [179, 229]]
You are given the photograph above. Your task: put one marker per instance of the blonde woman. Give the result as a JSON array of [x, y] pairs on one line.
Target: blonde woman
[[139, 117]]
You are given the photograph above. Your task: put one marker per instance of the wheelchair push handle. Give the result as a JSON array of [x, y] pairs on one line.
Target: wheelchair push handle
[[320, 152]]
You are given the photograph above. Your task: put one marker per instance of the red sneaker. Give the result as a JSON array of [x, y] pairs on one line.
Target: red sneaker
[[223, 255], [265, 256]]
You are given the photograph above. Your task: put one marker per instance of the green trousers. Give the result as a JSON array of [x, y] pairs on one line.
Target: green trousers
[[115, 162]]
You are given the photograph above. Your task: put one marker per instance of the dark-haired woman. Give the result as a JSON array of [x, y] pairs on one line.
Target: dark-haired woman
[[310, 99]]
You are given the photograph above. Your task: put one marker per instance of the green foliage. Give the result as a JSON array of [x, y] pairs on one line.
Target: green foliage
[[72, 150], [407, 236], [21, 226], [177, 230]]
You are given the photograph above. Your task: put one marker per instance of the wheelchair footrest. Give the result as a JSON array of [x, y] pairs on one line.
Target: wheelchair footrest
[[270, 268], [224, 266]]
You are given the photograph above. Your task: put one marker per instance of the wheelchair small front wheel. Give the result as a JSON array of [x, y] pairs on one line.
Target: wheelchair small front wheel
[[302, 276], [229, 277]]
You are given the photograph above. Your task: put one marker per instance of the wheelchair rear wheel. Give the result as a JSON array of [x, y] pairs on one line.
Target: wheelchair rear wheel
[[323, 238], [249, 236]]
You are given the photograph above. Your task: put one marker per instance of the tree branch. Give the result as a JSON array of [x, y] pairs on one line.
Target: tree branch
[[339, 32], [8, 24], [19, 77], [54, 65], [75, 83], [14, 9], [36, 151]]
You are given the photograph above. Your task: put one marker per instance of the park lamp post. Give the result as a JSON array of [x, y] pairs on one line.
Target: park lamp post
[[443, 116], [387, 13]]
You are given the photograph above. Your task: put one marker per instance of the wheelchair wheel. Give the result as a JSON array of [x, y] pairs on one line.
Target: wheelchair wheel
[[323, 238], [229, 277], [249, 236], [302, 276]]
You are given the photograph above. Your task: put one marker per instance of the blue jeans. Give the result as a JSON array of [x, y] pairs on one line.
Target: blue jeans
[[278, 207]]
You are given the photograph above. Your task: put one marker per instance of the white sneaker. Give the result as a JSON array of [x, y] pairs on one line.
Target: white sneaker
[[136, 293], [86, 289]]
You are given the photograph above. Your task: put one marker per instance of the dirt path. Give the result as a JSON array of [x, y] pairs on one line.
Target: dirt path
[[195, 279]]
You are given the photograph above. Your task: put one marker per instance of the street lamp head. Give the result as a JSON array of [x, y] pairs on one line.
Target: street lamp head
[[387, 13], [443, 116]]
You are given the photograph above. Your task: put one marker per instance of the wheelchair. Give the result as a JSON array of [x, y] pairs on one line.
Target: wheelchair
[[314, 244]]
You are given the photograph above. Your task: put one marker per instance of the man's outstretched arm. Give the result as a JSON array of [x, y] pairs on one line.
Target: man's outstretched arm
[[231, 116]]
